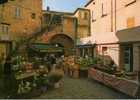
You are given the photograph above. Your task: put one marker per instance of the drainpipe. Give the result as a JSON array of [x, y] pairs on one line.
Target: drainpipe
[[115, 15], [62, 23], [75, 37], [111, 15]]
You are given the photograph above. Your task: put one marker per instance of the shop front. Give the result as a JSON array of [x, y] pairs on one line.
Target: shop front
[[42, 49], [129, 40], [85, 50]]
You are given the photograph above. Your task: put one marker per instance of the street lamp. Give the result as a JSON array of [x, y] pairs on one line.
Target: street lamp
[[56, 45]]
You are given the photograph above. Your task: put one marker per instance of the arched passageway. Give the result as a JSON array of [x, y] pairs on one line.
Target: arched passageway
[[64, 41]]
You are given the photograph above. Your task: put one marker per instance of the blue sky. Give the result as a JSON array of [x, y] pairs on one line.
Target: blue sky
[[64, 5]]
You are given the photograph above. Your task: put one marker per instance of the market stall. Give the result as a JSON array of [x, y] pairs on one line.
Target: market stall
[[31, 74], [41, 49]]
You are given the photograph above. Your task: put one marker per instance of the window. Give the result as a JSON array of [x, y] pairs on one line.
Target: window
[[104, 10], [33, 15], [85, 15], [104, 50], [129, 2], [47, 18], [17, 12], [79, 14], [128, 58], [57, 19], [81, 51], [85, 52], [82, 15], [130, 22], [93, 16], [5, 28]]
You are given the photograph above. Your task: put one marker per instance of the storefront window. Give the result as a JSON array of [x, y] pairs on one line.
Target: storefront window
[[128, 58]]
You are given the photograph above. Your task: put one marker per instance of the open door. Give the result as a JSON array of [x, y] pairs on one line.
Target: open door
[[128, 57]]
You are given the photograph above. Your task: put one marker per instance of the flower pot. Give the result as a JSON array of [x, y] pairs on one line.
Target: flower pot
[[70, 72], [57, 85], [43, 89], [83, 73], [75, 73], [35, 92]]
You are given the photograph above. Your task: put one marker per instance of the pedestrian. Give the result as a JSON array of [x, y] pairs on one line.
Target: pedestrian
[[53, 62], [2, 57], [60, 61], [49, 64], [8, 76]]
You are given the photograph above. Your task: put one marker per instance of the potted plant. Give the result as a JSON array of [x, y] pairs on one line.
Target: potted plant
[[84, 64], [54, 79]]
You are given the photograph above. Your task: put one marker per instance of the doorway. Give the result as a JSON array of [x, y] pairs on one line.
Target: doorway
[[128, 58]]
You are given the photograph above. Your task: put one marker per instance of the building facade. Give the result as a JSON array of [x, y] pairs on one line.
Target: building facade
[[83, 22], [115, 29], [65, 27], [18, 19]]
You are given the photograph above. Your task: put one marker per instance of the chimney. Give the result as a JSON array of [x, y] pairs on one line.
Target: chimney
[[3, 1], [48, 8]]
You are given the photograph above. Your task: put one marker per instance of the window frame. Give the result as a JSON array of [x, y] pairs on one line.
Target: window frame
[[103, 13], [92, 15], [130, 46], [85, 16], [5, 28], [33, 15], [17, 12]]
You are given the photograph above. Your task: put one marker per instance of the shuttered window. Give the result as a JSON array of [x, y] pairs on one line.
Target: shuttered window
[[130, 22]]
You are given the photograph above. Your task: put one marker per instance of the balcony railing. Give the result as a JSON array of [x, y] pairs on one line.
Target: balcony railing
[[5, 37]]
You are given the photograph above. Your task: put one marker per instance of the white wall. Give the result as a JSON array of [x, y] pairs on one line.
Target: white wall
[[103, 24], [125, 12], [101, 28], [112, 51]]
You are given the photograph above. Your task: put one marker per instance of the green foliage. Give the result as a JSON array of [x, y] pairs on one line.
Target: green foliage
[[108, 69], [24, 87], [85, 62]]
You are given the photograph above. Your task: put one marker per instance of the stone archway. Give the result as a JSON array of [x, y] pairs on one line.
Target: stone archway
[[65, 41]]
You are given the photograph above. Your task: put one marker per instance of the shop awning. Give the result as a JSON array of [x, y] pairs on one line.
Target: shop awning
[[85, 46], [129, 35], [48, 48]]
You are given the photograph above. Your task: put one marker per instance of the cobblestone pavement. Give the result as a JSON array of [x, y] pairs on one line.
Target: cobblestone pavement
[[83, 89]]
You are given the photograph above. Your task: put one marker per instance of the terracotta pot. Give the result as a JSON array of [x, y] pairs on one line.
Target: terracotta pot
[[59, 84], [76, 74]]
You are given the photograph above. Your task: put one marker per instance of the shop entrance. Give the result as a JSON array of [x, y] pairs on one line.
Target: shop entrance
[[64, 41], [128, 58]]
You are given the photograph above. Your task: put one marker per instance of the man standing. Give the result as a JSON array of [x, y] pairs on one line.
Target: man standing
[[2, 57], [53, 62], [8, 77]]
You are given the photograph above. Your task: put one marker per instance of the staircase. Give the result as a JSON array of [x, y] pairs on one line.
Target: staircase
[[53, 22]]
